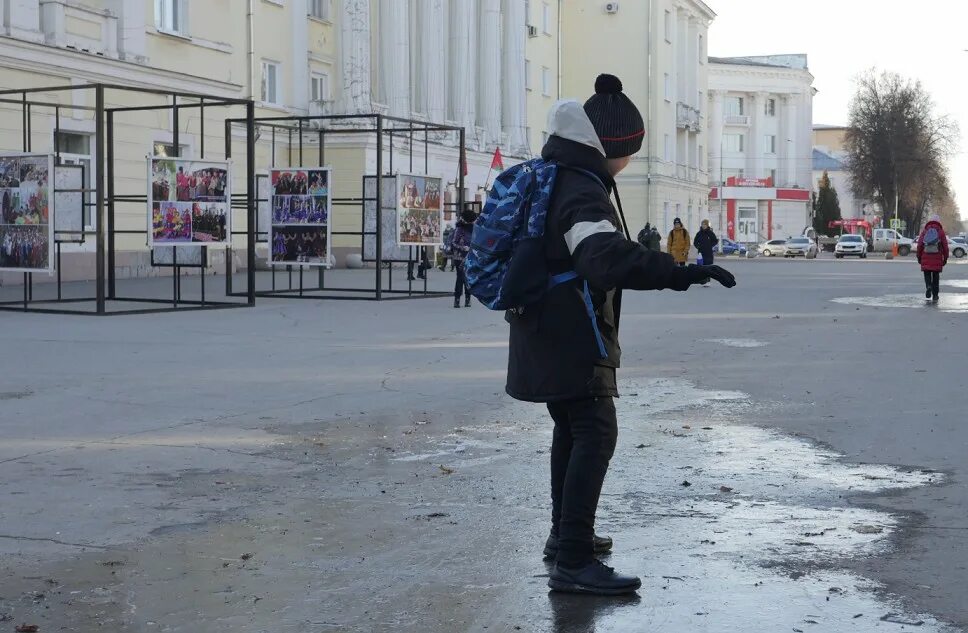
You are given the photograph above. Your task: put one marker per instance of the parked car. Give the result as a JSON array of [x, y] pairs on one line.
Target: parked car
[[729, 247], [773, 248], [849, 244], [800, 247], [958, 246], [884, 240]]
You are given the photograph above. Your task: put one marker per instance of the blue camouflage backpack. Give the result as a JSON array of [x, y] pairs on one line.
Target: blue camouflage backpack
[[505, 268], [932, 241]]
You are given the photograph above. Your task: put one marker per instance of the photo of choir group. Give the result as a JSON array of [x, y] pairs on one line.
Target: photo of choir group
[[420, 211], [300, 230], [189, 202], [26, 231]]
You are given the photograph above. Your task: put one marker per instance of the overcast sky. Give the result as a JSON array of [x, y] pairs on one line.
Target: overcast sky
[[923, 39]]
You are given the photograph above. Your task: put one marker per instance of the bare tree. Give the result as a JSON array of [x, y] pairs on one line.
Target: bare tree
[[897, 146]]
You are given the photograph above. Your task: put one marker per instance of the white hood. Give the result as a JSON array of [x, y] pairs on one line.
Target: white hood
[[567, 119]]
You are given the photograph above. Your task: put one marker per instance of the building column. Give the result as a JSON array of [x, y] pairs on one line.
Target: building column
[[489, 71], [299, 41], [433, 60], [463, 57], [716, 137], [514, 110], [692, 62], [354, 50], [757, 136], [132, 37], [394, 46], [791, 133]]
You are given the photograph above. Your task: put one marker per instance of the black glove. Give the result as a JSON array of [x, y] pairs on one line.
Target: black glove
[[702, 274]]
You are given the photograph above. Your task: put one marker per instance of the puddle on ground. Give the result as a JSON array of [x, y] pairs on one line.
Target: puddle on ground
[[954, 283], [947, 302], [732, 528], [736, 342]]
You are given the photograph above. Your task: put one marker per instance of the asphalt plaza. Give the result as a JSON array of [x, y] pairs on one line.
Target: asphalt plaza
[[315, 465]]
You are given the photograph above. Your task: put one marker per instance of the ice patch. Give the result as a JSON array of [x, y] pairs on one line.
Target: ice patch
[[947, 302], [737, 342]]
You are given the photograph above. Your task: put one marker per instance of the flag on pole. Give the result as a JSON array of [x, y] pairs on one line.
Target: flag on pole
[[497, 166]]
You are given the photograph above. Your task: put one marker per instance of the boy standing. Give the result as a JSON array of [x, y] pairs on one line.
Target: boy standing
[[564, 350]]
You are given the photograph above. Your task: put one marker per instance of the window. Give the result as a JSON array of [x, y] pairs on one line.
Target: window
[[319, 86], [546, 19], [171, 16], [270, 83], [667, 151], [319, 9], [167, 150], [702, 57], [769, 108], [73, 143], [699, 156], [546, 81], [668, 26], [733, 142], [527, 74], [667, 86], [75, 149], [734, 106], [733, 173], [772, 176], [527, 12], [770, 146]]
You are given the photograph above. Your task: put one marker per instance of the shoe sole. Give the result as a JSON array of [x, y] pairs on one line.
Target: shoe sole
[[550, 554], [570, 587]]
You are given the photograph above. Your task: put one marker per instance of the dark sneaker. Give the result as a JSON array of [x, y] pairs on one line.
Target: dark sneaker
[[467, 302], [927, 293], [934, 297], [594, 578], [602, 545], [456, 303]]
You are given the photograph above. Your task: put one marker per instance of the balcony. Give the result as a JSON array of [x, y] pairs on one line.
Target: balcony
[[70, 24], [687, 117], [737, 119]]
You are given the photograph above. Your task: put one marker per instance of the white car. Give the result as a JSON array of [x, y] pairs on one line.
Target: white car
[[773, 248], [851, 245], [958, 246], [800, 247]]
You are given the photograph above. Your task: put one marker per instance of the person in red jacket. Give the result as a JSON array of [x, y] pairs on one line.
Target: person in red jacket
[[932, 255]]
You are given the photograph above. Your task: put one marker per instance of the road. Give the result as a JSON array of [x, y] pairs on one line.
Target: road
[[791, 457]]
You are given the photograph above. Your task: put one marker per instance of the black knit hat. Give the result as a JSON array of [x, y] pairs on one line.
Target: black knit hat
[[617, 121]]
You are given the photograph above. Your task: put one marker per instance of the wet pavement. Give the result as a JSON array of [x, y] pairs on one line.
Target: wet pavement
[[789, 459]]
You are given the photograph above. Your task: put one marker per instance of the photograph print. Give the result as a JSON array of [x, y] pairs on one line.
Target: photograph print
[[300, 203], [420, 213], [189, 201], [26, 231]]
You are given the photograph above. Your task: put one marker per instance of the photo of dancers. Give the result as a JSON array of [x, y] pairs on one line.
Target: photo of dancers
[[419, 211], [300, 203], [189, 201], [307, 245], [26, 232]]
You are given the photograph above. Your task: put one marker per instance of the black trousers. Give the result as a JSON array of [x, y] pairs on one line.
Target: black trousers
[[707, 258], [582, 446], [460, 284], [932, 281]]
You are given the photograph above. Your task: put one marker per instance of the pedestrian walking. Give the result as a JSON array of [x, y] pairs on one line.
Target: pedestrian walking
[[564, 349], [678, 243], [705, 242], [932, 255], [460, 244], [445, 254], [644, 234], [655, 240]]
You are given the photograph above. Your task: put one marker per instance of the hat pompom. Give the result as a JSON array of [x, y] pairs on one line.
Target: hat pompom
[[608, 84]]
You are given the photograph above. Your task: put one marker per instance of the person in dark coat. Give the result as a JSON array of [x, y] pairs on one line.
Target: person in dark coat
[[460, 244], [643, 237], [655, 240], [932, 255], [705, 242], [564, 350]]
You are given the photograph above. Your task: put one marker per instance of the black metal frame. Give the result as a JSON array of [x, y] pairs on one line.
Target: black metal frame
[[106, 296], [385, 128]]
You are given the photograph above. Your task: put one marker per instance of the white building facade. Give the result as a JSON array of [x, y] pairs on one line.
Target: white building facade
[[760, 146], [658, 50]]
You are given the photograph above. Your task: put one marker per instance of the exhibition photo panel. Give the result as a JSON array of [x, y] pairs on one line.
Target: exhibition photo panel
[[26, 227], [189, 202], [420, 210], [300, 205]]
